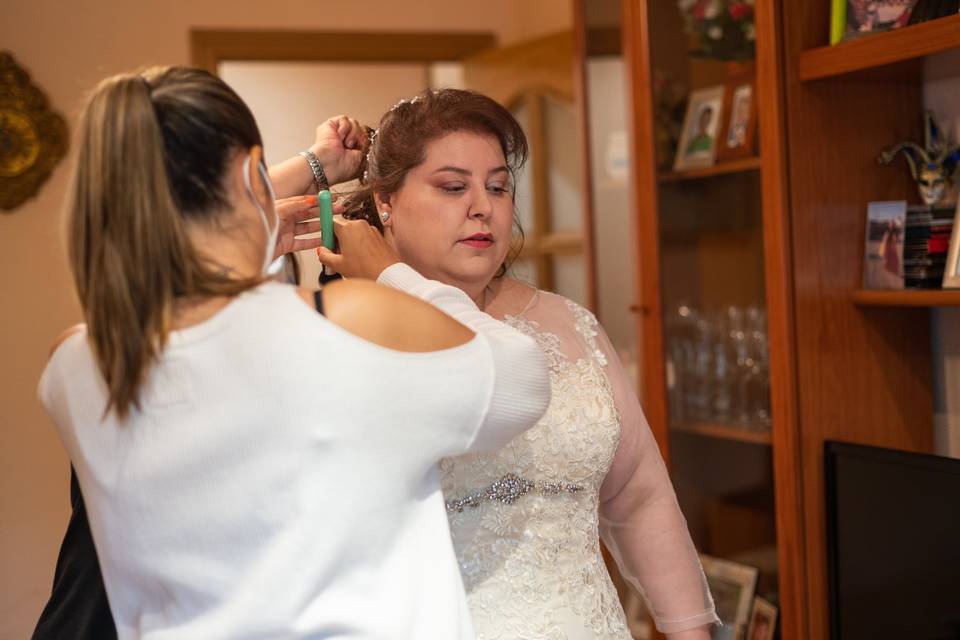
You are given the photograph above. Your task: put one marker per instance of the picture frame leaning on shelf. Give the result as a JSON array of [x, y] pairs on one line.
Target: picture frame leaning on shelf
[[737, 138], [733, 586], [763, 620], [701, 129]]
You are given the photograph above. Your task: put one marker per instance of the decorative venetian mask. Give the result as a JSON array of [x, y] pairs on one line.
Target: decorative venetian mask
[[932, 165], [932, 183]]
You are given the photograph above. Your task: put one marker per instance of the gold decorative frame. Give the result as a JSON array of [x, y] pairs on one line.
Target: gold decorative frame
[[33, 139]]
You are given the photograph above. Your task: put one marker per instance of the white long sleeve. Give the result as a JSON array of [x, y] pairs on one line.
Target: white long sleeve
[[521, 389]]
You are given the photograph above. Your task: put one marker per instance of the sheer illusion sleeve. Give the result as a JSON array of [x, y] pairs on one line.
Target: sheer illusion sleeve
[[641, 522]]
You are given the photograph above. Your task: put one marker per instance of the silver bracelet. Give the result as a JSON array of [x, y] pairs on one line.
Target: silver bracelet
[[319, 177]]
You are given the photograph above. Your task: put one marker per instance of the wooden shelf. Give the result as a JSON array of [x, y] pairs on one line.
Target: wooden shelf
[[907, 298], [870, 52], [725, 432], [735, 166]]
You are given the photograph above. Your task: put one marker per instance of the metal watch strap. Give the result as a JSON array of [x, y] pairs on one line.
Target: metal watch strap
[[319, 177]]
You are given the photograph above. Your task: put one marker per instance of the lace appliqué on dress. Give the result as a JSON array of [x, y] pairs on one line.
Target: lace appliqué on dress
[[533, 568]]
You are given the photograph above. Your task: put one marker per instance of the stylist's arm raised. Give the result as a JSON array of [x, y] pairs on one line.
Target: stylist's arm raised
[[335, 154]]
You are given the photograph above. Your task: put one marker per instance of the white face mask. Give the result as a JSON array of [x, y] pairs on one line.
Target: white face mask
[[272, 233]]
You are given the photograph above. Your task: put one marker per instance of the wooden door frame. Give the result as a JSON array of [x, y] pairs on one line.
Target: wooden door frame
[[778, 260], [779, 278], [582, 105], [210, 47]]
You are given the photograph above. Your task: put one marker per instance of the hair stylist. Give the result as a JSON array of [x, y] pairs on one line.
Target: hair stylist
[[242, 476]]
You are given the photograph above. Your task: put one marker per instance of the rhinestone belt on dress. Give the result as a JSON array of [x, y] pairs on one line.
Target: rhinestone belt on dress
[[508, 490]]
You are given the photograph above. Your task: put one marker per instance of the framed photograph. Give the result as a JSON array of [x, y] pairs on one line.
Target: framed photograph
[[701, 126], [883, 253], [869, 16], [740, 121], [732, 585], [763, 620], [951, 273]]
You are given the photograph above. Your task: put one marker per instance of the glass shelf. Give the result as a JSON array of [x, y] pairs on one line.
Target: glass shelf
[[746, 433], [725, 168]]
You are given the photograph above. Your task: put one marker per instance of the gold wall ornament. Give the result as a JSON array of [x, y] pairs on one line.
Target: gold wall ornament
[[33, 139]]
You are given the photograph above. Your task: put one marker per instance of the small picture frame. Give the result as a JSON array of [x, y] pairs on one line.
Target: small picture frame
[[732, 585], [701, 127], [883, 249], [951, 272], [740, 122], [763, 620]]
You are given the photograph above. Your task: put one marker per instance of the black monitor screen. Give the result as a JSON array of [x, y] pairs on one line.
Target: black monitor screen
[[893, 544]]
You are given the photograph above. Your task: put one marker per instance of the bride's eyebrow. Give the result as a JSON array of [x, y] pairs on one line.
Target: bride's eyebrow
[[465, 172], [453, 169]]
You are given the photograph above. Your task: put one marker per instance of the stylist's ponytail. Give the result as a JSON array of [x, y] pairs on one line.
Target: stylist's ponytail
[[153, 151]]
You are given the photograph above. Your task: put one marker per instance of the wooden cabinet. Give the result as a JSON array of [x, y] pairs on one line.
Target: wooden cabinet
[[781, 231]]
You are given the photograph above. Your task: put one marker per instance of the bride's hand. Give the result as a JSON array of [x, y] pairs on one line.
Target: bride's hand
[[363, 251]]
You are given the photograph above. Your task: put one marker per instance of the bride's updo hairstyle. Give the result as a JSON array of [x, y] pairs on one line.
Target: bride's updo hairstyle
[[400, 143]]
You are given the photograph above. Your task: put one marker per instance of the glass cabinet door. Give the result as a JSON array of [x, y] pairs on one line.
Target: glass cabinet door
[[715, 347]]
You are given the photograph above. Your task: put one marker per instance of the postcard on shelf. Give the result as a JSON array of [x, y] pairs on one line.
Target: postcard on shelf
[[733, 586], [951, 272], [883, 255], [871, 16], [701, 127]]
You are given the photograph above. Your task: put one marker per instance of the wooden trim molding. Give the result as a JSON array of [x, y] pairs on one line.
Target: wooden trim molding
[[209, 47], [643, 182], [582, 102], [778, 260]]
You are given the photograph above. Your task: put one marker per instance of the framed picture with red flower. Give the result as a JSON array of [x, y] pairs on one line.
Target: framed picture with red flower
[[738, 135], [870, 16]]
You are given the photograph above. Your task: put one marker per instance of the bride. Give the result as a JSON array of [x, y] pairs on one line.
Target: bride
[[525, 519]]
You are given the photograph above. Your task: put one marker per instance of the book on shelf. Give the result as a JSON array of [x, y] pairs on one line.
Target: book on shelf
[[926, 242]]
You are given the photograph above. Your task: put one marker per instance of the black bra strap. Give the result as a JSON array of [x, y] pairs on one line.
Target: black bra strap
[[318, 301]]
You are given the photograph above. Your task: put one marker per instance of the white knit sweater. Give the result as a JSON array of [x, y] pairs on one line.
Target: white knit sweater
[[279, 480]]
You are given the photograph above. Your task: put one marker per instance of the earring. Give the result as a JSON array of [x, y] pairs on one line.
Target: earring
[[384, 216]]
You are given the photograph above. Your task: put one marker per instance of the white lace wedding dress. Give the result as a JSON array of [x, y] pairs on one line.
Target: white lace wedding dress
[[525, 520]]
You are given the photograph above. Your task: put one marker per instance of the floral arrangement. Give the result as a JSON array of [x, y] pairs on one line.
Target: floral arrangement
[[723, 28]]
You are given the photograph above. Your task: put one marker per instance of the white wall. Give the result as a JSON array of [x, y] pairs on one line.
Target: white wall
[[613, 223], [67, 48], [942, 95]]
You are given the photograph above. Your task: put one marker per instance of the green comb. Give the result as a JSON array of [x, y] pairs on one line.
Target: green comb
[[325, 202]]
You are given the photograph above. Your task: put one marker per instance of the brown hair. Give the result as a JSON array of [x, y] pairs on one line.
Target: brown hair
[[400, 143], [154, 148]]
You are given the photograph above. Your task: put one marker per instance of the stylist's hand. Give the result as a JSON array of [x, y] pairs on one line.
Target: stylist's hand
[[339, 147], [363, 251], [299, 216]]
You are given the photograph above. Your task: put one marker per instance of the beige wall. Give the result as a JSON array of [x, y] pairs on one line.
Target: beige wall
[[67, 48]]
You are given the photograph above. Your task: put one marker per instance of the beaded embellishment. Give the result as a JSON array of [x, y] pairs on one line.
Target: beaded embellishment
[[508, 490]]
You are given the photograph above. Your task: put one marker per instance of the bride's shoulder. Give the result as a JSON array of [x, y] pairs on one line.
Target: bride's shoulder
[[529, 300]]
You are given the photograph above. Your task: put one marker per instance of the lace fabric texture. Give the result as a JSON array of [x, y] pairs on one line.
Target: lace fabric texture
[[533, 568]]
